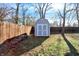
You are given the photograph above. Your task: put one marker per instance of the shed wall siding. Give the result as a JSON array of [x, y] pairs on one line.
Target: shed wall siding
[[42, 22]]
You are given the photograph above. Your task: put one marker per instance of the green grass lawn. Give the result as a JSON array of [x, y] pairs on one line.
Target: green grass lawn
[[53, 45]]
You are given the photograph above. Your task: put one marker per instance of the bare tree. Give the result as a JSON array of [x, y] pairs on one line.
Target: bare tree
[[24, 10], [30, 20], [17, 12], [64, 16], [58, 13], [77, 12], [55, 24], [74, 24], [4, 11], [42, 9], [70, 17]]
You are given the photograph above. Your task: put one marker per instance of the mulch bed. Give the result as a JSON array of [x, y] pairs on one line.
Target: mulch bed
[[9, 47]]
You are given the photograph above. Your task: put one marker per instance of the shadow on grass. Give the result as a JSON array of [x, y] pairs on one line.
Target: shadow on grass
[[20, 44], [73, 51]]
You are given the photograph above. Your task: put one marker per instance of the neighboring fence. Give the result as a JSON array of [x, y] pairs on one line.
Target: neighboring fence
[[67, 30], [9, 30], [57, 30]]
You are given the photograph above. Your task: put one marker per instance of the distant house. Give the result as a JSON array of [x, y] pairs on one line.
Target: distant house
[[42, 27]]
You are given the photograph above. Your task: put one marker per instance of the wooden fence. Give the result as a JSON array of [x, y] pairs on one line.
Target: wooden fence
[[9, 30]]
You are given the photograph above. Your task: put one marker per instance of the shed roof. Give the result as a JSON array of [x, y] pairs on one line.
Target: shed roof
[[42, 21]]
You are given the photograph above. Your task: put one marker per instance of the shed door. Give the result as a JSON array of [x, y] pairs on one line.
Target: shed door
[[42, 30]]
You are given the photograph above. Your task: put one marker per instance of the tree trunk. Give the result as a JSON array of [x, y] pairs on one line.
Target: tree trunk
[[63, 28], [77, 14], [17, 12], [60, 23], [78, 23], [64, 16], [23, 17]]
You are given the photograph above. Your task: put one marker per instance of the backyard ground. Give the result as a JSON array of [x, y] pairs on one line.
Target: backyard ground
[[54, 45]]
